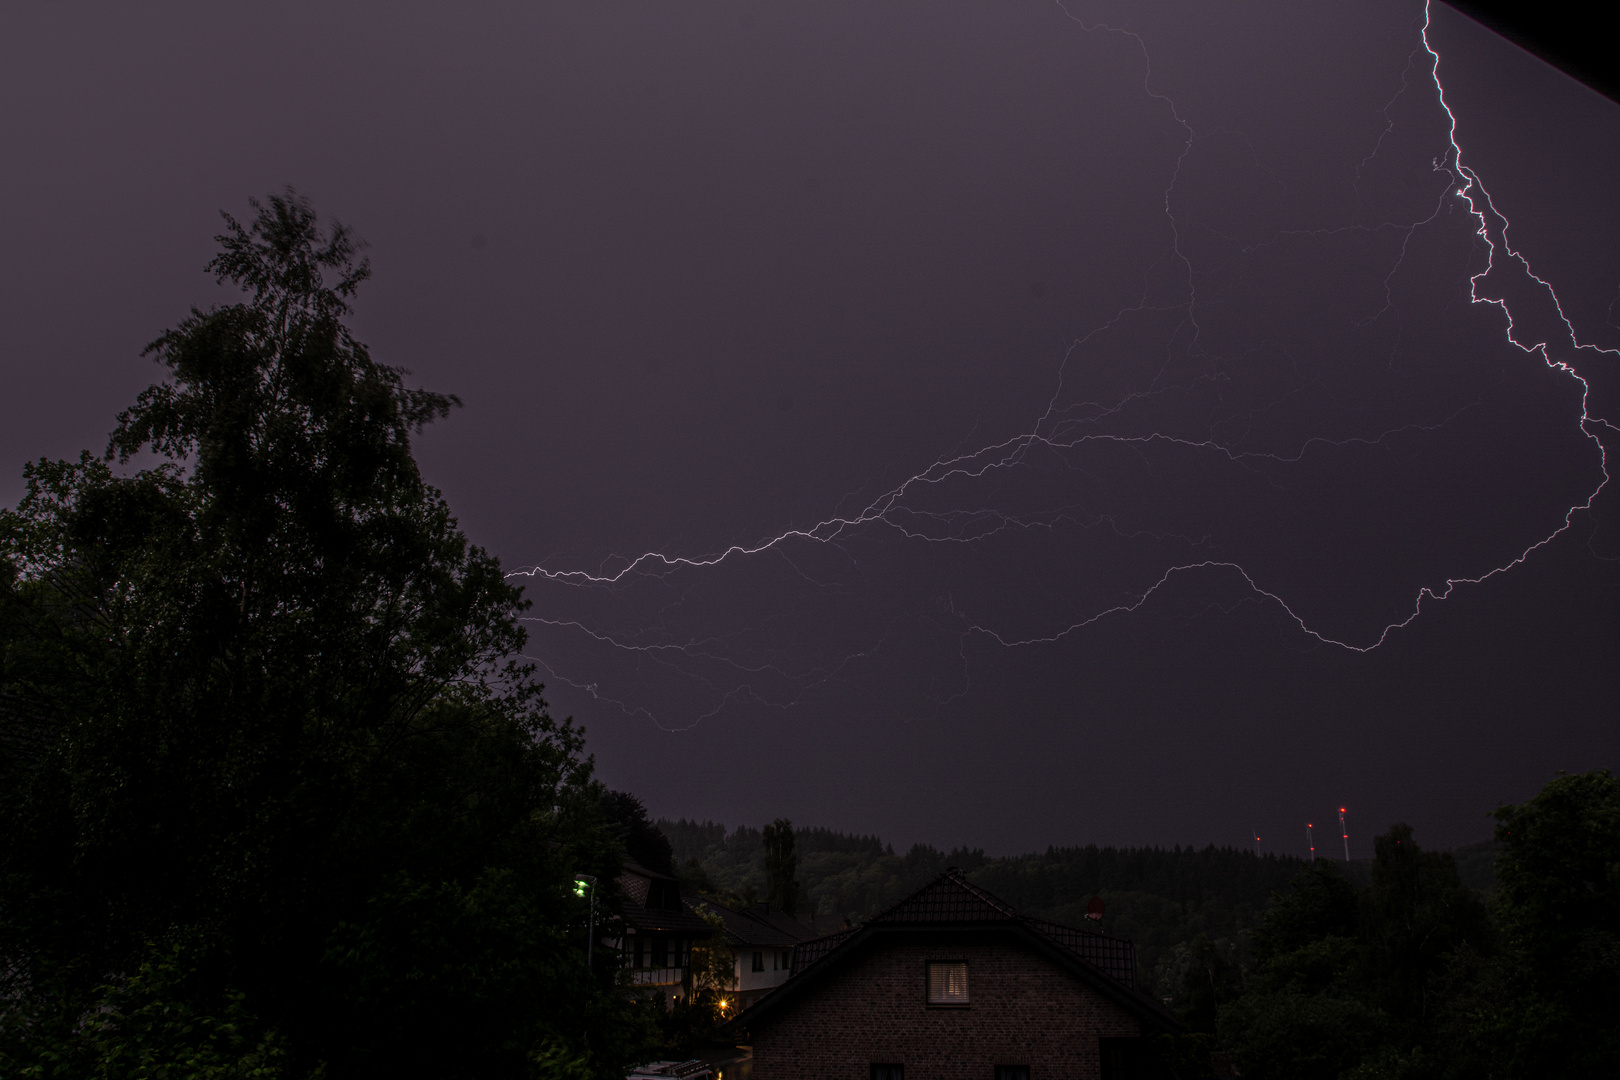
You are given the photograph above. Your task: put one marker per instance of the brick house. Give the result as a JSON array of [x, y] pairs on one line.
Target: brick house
[[953, 984]]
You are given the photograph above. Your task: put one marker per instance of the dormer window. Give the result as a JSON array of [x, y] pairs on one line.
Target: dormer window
[[948, 982], [663, 896]]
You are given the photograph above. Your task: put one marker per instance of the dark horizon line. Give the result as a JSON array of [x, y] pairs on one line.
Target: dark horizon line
[[1324, 856]]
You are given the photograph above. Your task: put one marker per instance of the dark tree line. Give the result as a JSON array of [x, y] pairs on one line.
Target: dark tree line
[[1417, 976], [281, 797], [1167, 900], [1399, 970]]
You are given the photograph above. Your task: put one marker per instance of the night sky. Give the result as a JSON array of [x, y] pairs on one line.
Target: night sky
[[986, 424]]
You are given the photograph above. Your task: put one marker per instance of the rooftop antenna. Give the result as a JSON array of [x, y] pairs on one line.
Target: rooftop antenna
[[1310, 838], [1346, 831]]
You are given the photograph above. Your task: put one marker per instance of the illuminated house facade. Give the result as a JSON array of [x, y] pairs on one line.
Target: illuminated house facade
[[657, 932], [953, 984], [762, 940]]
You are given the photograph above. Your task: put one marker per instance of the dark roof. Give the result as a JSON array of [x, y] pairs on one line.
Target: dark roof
[[1116, 956], [811, 951], [652, 902], [953, 899], [952, 903], [757, 925], [948, 898], [781, 922], [741, 930], [635, 869]]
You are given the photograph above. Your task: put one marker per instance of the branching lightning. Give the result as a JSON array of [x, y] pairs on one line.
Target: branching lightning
[[728, 672]]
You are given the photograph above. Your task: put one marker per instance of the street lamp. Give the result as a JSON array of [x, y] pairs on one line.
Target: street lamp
[[585, 886]]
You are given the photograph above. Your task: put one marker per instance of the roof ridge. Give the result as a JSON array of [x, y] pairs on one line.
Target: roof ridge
[[1108, 963], [989, 898], [816, 950], [1090, 931], [951, 876], [630, 866]]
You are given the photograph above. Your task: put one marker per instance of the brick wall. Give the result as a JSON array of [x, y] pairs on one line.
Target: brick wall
[[1024, 1011]]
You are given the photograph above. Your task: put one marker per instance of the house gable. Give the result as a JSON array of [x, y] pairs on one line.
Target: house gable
[[653, 932], [950, 903], [1024, 1008], [1039, 994]]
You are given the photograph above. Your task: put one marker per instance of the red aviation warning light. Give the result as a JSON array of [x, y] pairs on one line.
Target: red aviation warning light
[[1346, 831], [1310, 838]]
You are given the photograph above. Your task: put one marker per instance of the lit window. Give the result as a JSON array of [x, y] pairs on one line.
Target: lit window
[[947, 983]]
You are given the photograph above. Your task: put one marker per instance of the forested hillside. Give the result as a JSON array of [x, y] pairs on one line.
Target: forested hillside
[[1175, 903]]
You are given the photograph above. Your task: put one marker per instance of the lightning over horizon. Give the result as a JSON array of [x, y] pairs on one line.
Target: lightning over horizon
[[1172, 461], [1115, 421]]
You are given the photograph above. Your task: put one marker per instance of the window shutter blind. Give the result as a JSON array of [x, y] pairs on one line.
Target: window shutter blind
[[947, 983]]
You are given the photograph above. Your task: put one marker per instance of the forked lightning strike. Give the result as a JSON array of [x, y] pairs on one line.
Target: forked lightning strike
[[1058, 431]]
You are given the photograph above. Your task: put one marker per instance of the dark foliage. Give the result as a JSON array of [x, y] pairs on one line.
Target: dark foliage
[[1397, 968], [1476, 865], [281, 795], [1164, 899], [815, 840], [1417, 914], [781, 867], [643, 841], [1558, 906], [1415, 976]]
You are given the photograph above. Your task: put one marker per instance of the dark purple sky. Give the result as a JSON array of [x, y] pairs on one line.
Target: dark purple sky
[[1199, 343]]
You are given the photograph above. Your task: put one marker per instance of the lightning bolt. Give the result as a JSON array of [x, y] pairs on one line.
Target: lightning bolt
[[937, 507]]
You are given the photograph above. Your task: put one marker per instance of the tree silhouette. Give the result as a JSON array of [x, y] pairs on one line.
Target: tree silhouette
[[285, 765], [781, 865]]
